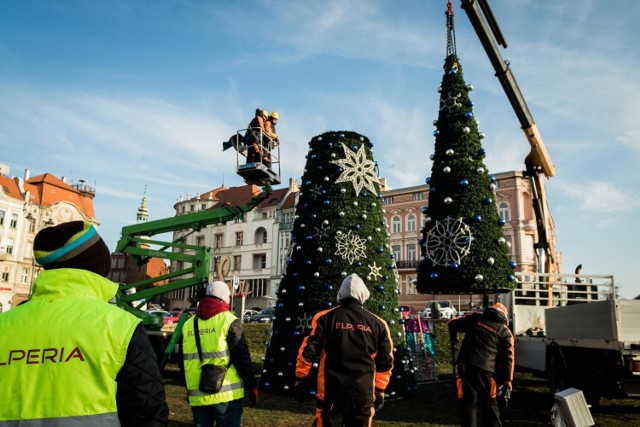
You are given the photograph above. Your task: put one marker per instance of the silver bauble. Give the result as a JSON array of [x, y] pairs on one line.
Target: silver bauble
[[479, 278]]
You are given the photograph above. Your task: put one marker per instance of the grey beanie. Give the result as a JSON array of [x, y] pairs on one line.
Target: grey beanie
[[353, 287], [219, 290]]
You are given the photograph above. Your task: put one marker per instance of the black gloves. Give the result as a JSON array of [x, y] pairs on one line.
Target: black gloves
[[300, 390], [379, 399]]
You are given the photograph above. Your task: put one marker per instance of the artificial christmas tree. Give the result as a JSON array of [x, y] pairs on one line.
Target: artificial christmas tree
[[463, 247], [339, 229]]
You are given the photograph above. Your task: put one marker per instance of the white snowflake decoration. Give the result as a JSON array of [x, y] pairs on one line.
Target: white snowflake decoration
[[450, 103], [350, 246], [305, 322], [316, 191], [322, 232], [358, 170], [374, 271], [448, 243]]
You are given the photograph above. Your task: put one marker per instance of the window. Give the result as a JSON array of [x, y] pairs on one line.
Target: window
[[239, 238], [242, 218], [32, 225], [397, 252], [192, 208], [9, 249], [411, 287], [259, 261], [395, 221], [199, 240], [504, 211], [5, 276], [411, 252], [14, 220], [24, 277], [258, 287], [261, 236], [411, 222], [417, 196], [217, 241], [2, 214], [203, 207], [237, 262]]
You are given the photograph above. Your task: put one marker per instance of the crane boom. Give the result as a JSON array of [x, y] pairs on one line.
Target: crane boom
[[485, 25], [537, 161]]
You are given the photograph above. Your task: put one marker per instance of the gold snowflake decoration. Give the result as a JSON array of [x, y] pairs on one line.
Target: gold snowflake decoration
[[374, 271], [358, 170], [350, 246]]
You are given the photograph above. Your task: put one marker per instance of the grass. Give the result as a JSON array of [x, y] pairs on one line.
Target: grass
[[433, 405]]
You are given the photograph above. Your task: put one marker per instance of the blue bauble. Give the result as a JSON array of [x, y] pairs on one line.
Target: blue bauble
[[513, 264], [454, 265], [427, 180], [432, 189], [436, 132], [380, 288], [326, 202], [434, 275], [511, 277], [468, 114], [464, 182], [477, 218], [424, 209], [329, 261], [501, 222], [487, 201]]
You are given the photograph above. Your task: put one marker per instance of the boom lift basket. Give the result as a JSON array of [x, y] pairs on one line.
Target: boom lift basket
[[258, 173]]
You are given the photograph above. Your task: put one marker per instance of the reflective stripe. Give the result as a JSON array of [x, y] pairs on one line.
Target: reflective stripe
[[100, 420], [225, 387], [207, 355]]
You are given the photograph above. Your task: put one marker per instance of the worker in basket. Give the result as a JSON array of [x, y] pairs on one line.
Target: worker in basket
[[254, 136]]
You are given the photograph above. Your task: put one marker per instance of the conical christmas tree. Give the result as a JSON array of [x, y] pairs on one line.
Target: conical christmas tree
[[339, 229], [463, 247]]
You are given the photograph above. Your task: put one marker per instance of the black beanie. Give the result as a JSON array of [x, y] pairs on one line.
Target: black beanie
[[74, 244]]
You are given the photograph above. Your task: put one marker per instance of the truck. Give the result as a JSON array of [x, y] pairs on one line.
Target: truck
[[138, 241], [571, 328], [574, 330]]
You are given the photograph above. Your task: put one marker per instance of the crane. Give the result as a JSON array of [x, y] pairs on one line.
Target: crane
[[538, 162]]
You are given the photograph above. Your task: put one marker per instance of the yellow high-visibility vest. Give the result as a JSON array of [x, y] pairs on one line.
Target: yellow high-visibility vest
[[60, 352], [213, 339]]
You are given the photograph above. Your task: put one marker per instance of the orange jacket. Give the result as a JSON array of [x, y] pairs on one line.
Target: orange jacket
[[354, 352]]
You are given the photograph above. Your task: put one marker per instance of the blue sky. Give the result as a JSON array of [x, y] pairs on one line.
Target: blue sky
[[128, 94]]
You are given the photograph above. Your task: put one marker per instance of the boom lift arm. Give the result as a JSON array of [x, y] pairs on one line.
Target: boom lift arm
[[136, 241], [538, 161]]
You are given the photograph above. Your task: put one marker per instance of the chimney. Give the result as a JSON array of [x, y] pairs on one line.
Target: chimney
[[27, 174]]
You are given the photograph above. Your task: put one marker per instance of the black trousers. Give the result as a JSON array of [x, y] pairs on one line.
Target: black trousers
[[342, 415], [476, 387]]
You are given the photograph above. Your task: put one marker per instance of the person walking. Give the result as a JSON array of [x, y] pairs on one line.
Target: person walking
[[485, 361], [68, 357], [222, 342], [354, 352]]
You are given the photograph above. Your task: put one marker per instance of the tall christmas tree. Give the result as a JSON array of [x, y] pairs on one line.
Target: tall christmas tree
[[463, 246], [339, 229]]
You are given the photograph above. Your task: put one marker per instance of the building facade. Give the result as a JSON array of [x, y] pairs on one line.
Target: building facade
[[248, 251], [404, 216], [28, 204]]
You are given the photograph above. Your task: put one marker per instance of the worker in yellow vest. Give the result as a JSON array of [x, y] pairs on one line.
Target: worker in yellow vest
[[222, 343], [67, 356]]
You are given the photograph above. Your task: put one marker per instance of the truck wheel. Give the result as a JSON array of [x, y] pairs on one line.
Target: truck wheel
[[558, 374]]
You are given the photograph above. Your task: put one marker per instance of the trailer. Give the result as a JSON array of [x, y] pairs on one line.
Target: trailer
[[575, 331]]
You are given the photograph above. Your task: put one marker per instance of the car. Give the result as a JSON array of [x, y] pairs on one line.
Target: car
[[447, 310], [175, 315], [266, 315], [405, 310], [248, 313]]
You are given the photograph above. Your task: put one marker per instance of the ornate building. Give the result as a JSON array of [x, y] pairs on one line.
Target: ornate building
[[27, 205]]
